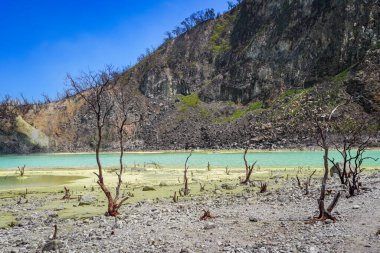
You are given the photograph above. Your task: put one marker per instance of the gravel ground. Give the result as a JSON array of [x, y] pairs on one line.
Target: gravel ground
[[246, 222]]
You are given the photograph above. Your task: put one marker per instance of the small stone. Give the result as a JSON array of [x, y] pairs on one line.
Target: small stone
[[86, 200], [163, 184], [356, 207], [53, 245], [186, 251], [253, 219], [119, 224], [282, 199], [228, 186], [313, 249], [148, 188], [209, 225]]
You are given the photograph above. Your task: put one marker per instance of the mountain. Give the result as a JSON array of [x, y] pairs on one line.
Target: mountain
[[240, 77]]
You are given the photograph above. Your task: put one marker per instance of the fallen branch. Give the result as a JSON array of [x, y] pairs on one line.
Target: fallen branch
[[54, 235], [299, 182], [207, 215]]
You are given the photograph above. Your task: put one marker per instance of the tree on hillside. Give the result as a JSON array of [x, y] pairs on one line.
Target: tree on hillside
[[9, 109], [190, 22], [233, 4], [95, 90], [4, 104]]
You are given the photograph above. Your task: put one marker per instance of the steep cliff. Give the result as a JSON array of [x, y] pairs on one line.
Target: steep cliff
[[261, 48], [239, 77]]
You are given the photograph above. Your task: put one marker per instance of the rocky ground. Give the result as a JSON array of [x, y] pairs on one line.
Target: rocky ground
[[245, 222]]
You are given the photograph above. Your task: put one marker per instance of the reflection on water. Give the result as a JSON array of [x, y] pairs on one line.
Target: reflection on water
[[13, 182]]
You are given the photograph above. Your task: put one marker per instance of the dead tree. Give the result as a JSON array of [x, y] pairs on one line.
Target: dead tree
[[94, 89], [186, 190], [202, 187], [228, 171], [322, 125], [354, 136], [123, 116], [248, 168], [21, 170], [67, 193], [306, 183], [356, 168], [208, 166]]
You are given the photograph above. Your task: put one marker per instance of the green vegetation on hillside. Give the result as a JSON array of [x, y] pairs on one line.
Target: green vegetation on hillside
[[189, 101], [239, 113], [220, 39], [342, 75]]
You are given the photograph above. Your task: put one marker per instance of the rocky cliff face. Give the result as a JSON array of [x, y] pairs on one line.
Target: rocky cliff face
[[261, 48], [239, 77]]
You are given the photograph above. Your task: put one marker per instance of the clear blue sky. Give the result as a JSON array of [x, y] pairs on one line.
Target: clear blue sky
[[42, 40]]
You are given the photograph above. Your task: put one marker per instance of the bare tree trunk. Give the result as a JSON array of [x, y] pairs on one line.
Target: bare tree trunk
[[121, 164], [323, 213], [186, 190], [248, 168], [112, 207]]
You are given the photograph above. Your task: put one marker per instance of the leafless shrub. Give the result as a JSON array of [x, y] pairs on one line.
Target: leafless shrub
[[263, 187], [21, 170], [67, 195]]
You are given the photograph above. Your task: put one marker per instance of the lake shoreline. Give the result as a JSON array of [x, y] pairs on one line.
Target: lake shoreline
[[200, 159], [165, 151]]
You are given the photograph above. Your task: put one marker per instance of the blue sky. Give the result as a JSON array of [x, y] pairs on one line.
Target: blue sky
[[42, 40]]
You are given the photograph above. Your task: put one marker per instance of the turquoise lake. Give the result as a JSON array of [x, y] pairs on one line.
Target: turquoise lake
[[279, 159]]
